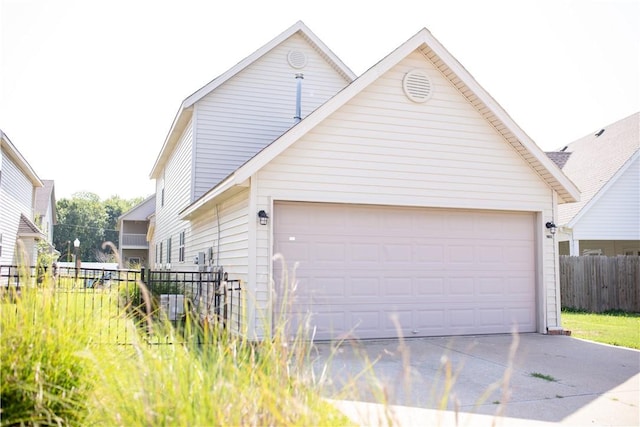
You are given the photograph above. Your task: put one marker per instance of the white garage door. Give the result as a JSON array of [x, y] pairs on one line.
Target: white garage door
[[377, 272]]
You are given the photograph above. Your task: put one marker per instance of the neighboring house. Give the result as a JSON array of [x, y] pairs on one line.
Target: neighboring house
[[133, 228], [606, 168], [18, 183], [409, 200], [45, 210]]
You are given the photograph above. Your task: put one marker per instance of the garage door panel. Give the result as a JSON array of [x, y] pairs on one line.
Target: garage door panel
[[491, 286], [329, 252], [429, 287], [439, 272], [430, 320], [432, 255], [364, 286], [462, 317], [491, 317]]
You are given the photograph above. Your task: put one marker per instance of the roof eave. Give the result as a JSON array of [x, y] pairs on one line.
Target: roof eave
[[499, 119], [298, 27], [22, 163], [573, 221], [177, 128], [465, 83], [181, 118]]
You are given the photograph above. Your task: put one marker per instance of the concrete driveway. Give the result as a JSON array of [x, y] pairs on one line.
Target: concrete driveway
[[469, 380]]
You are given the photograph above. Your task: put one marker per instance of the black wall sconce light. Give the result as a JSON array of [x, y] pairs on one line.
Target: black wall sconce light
[[551, 227], [263, 217]]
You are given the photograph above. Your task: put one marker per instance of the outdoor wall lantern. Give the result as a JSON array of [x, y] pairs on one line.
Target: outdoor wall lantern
[[263, 217], [551, 227]]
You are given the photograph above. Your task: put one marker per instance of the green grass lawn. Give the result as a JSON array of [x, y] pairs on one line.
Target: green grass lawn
[[620, 329]]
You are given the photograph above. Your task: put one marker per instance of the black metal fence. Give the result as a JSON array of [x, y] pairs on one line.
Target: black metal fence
[[209, 297], [202, 297]]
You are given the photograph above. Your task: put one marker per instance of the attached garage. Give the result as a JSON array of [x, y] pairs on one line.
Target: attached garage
[[435, 271], [405, 215]]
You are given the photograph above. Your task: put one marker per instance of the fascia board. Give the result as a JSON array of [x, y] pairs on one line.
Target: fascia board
[[209, 196], [298, 26], [501, 114], [20, 161], [324, 111], [177, 127], [179, 121]]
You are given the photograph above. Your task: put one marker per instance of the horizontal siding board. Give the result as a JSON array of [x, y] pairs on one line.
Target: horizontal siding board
[[16, 198], [255, 107], [177, 196], [381, 148], [615, 214]]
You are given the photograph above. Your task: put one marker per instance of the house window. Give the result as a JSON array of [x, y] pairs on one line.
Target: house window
[[169, 250], [626, 251], [162, 191], [160, 260], [134, 261], [592, 252], [0, 244], [181, 247]]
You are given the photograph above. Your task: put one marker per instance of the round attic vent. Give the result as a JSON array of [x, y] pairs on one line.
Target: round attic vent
[[297, 59], [417, 86]]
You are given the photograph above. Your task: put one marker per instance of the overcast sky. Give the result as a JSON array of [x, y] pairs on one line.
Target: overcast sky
[[88, 89]]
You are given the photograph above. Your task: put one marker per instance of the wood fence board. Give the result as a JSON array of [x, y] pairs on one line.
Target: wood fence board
[[600, 283]]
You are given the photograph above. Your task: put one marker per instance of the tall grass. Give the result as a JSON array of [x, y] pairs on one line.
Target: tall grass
[[45, 378], [55, 372]]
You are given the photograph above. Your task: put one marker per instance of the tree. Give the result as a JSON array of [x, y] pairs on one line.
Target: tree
[[86, 218]]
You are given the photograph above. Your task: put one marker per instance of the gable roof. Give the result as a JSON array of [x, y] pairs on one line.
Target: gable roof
[[11, 151], [186, 108], [45, 196], [486, 106], [140, 212], [597, 160]]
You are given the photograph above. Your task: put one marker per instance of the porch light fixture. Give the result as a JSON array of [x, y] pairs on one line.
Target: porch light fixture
[[551, 227], [263, 217]]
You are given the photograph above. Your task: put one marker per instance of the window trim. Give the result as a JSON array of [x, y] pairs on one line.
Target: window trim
[[181, 246]]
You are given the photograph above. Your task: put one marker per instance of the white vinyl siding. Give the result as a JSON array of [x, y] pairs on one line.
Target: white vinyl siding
[[16, 197], [229, 241], [176, 185], [225, 229], [615, 214], [380, 148], [254, 107]]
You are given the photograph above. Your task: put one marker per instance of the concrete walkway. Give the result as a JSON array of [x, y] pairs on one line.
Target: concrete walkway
[[499, 380]]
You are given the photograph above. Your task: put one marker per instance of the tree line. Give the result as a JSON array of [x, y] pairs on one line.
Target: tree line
[[93, 222]]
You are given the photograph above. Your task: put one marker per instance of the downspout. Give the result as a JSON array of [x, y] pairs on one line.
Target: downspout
[[298, 116]]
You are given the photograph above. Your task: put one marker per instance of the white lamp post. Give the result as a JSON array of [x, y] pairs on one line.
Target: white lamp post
[[76, 246]]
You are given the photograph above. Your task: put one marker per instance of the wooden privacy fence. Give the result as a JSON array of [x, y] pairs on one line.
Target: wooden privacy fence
[[600, 283]]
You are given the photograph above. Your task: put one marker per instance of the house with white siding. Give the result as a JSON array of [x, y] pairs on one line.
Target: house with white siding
[[133, 234], [45, 210], [404, 202], [18, 184], [605, 165]]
